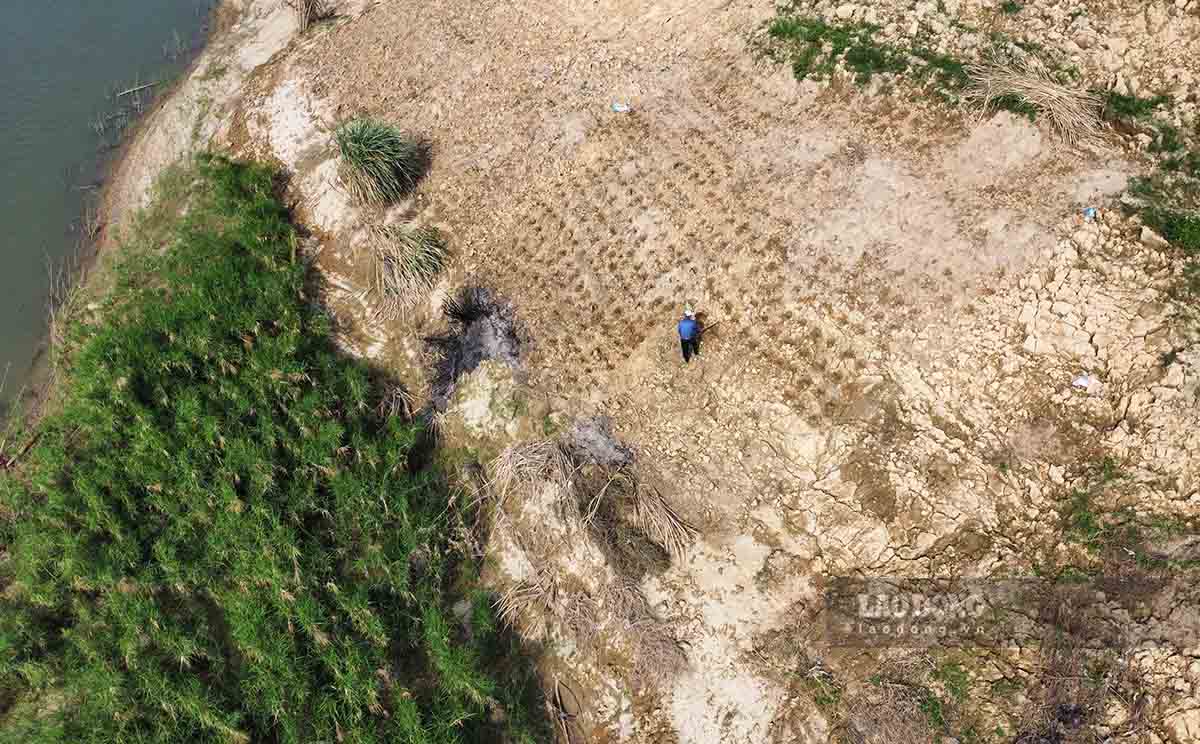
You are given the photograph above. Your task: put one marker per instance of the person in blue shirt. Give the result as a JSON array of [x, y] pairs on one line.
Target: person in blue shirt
[[689, 335]]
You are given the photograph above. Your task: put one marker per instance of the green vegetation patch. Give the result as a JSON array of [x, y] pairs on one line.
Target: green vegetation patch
[[218, 539], [825, 692], [1168, 200], [931, 706], [815, 49], [1120, 534], [1119, 106], [955, 678]]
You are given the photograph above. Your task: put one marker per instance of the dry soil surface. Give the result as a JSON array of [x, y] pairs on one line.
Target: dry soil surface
[[899, 297]]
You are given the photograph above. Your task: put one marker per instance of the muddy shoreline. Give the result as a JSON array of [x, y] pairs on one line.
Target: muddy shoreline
[[220, 19], [29, 404]]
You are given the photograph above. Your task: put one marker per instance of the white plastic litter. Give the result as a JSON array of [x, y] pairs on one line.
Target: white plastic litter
[[1088, 383], [621, 108]]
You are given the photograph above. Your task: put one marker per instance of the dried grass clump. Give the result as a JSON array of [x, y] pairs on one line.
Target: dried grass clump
[[656, 651], [530, 604], [544, 459], [641, 506], [408, 261], [436, 421], [309, 12], [1074, 114], [888, 712], [533, 603]]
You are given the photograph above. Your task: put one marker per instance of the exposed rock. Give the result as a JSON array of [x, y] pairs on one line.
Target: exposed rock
[[1152, 239]]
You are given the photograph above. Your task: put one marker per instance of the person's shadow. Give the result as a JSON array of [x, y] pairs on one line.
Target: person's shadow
[[702, 321]]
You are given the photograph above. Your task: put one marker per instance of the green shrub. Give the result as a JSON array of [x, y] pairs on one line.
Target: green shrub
[[380, 164], [1182, 230], [218, 540], [1009, 7], [949, 75], [866, 59], [1016, 104]]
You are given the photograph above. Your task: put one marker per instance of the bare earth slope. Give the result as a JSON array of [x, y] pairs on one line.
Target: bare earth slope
[[900, 297]]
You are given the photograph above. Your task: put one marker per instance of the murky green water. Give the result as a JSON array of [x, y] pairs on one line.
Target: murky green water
[[62, 61]]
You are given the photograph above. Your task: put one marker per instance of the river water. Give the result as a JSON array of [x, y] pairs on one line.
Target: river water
[[61, 64]]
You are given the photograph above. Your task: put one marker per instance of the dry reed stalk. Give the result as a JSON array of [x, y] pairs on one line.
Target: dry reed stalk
[[1074, 114]]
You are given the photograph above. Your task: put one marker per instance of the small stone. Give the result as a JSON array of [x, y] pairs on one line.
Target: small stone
[[845, 12], [1028, 313], [1085, 239], [1152, 239], [1117, 45]]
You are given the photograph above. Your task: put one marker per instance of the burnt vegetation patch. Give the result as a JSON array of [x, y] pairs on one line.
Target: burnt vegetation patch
[[481, 327]]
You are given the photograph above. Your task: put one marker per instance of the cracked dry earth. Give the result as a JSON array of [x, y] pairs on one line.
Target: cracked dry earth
[[899, 300]]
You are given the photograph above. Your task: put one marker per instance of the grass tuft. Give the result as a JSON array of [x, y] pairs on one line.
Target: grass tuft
[[380, 164], [408, 261]]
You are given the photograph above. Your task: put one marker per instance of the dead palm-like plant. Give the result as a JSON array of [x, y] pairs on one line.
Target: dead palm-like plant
[[408, 261], [544, 459], [529, 604], [309, 12], [659, 521], [1073, 113]]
